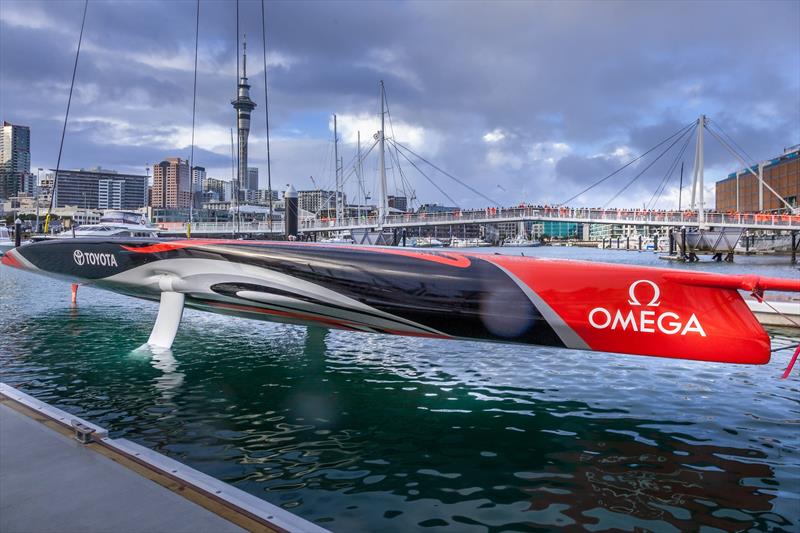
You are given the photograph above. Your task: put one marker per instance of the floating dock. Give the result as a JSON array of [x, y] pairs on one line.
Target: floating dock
[[61, 473]]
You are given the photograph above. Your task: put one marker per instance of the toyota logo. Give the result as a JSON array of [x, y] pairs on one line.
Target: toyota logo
[[77, 255]]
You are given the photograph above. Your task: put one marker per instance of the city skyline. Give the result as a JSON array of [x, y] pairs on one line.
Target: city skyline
[[525, 110]]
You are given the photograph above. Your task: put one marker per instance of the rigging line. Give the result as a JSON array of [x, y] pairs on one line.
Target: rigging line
[[645, 169], [731, 139], [391, 127], [763, 182], [675, 165], [194, 108], [238, 147], [350, 174], [404, 147], [668, 175], [266, 109], [66, 118], [626, 165], [426, 176]]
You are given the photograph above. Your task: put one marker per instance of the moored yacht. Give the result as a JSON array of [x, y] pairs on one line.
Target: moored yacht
[[520, 241], [6, 243], [114, 224]]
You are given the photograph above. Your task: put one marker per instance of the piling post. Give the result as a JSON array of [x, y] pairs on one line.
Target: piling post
[[291, 216], [794, 247], [640, 243], [683, 243], [618, 246], [655, 242], [405, 230], [17, 233], [628, 242], [746, 243], [671, 237]]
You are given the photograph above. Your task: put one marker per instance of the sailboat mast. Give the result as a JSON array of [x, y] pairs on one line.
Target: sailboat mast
[[358, 172], [382, 208], [336, 166], [701, 209]]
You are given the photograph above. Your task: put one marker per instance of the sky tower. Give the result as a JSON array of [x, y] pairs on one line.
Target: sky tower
[[243, 106]]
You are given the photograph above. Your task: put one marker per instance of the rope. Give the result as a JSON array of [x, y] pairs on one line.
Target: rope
[[409, 150], [194, 111], [266, 109], [455, 204], [236, 174], [797, 350], [742, 150], [66, 118], [645, 169], [668, 176], [626, 165]]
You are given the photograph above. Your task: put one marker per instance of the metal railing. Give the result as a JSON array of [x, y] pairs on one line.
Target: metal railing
[[497, 215], [610, 216], [180, 228]]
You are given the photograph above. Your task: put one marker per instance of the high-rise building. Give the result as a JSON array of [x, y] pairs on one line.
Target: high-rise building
[[398, 202], [252, 178], [172, 184], [743, 192], [222, 188], [15, 159], [319, 200], [243, 106], [198, 175], [98, 188]]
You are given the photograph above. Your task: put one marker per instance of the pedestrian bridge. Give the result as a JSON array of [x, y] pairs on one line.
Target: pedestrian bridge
[[746, 221]]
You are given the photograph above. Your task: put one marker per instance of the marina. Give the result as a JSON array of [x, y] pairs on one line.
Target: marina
[[511, 299], [415, 433]]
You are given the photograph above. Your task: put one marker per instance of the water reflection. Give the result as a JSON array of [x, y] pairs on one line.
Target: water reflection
[[164, 360]]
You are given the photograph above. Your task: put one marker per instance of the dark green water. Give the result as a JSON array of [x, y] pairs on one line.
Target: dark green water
[[365, 432]]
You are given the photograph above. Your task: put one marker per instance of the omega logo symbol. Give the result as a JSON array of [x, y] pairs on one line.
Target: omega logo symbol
[[77, 255], [654, 301]]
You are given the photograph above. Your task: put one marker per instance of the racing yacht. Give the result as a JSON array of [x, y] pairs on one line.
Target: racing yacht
[[454, 295]]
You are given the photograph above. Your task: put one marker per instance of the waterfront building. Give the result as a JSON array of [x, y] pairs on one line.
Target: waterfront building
[[223, 188], [15, 159], [561, 230], [171, 184], [252, 178], [198, 175], [398, 202], [243, 106], [98, 188], [742, 192], [319, 200], [262, 196], [436, 208]]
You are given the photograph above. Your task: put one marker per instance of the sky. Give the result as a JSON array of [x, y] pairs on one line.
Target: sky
[[521, 101]]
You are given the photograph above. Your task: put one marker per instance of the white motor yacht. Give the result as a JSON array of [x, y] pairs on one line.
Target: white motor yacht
[[468, 243], [427, 242], [115, 224], [520, 241], [341, 238], [6, 242]]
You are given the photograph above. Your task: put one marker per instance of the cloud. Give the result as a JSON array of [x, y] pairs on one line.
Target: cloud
[[496, 135], [542, 98]]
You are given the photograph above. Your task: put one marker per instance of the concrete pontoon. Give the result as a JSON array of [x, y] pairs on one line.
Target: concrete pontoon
[[51, 481]]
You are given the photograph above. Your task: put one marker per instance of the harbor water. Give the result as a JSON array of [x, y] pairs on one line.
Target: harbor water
[[362, 432]]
